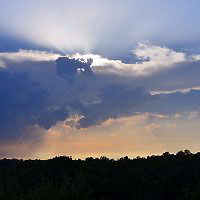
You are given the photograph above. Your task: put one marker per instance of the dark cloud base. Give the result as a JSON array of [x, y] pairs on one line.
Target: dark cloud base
[[25, 103]]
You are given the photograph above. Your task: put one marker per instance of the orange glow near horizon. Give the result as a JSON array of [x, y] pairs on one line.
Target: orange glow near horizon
[[115, 138]]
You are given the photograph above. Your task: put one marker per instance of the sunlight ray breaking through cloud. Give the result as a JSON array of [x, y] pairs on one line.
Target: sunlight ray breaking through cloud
[[95, 77]]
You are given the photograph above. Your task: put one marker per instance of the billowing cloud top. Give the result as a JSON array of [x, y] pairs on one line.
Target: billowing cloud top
[[40, 89]]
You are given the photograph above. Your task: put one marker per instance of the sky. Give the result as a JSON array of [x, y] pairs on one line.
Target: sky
[[99, 78]]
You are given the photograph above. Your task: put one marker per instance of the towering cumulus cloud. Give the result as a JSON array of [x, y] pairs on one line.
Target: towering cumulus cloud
[[40, 91], [70, 67]]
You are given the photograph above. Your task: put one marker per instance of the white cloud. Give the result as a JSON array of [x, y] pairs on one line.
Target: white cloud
[[196, 57], [193, 115], [157, 57], [153, 58], [26, 55], [147, 73], [181, 90]]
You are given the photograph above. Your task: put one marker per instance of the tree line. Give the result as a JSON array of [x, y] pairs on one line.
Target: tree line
[[165, 177]]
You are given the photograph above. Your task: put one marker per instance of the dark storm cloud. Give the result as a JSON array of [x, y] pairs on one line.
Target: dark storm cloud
[[25, 103], [22, 104], [54, 90], [69, 67], [184, 75], [177, 102], [115, 101]]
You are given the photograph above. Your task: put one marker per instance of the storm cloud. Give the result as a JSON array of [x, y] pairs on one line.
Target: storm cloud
[[21, 103], [40, 89]]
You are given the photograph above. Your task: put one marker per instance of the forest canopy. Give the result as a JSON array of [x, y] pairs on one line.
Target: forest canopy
[[169, 176]]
